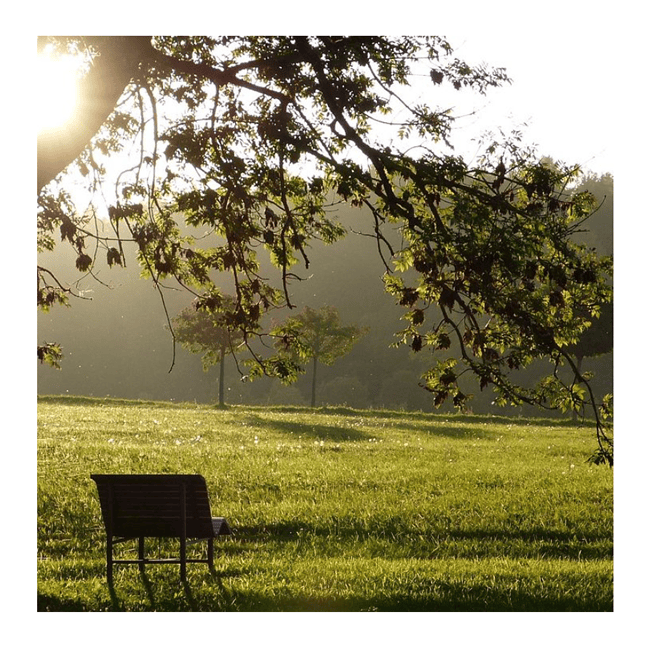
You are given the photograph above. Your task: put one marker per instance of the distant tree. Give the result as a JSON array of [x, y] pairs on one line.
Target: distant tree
[[250, 137], [600, 227], [209, 334], [596, 340], [316, 335]]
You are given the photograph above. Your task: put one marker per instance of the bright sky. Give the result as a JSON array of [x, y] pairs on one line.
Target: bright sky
[[562, 72], [561, 96], [559, 57]]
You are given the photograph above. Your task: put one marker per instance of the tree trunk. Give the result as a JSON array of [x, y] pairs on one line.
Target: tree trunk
[[99, 91], [118, 63], [313, 382], [222, 366]]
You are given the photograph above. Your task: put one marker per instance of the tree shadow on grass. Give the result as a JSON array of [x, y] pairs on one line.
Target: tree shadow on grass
[[436, 429], [452, 426], [314, 431], [428, 418], [536, 543], [434, 595], [446, 597], [52, 603]]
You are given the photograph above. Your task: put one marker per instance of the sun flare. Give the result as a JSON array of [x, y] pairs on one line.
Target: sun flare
[[58, 79]]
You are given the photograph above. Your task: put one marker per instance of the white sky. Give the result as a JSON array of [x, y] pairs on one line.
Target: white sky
[[570, 63], [560, 59]]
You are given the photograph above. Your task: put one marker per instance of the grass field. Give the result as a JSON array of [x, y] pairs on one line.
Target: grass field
[[333, 509]]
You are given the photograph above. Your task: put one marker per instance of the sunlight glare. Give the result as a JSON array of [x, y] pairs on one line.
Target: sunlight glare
[[58, 78]]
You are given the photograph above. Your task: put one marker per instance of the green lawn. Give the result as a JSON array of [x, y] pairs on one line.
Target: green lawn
[[333, 509]]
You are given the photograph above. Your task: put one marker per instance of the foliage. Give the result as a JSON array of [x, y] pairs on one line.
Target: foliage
[[502, 514], [50, 353], [251, 137], [315, 335]]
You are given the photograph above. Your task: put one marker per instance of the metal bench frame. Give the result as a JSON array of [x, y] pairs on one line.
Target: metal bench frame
[[135, 506]]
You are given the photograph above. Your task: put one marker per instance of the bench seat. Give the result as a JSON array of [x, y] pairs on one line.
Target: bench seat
[[136, 506]]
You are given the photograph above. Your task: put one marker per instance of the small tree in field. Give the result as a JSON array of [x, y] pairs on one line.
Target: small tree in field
[[207, 333], [317, 335]]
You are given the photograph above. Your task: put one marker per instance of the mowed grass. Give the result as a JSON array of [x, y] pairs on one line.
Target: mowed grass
[[333, 510]]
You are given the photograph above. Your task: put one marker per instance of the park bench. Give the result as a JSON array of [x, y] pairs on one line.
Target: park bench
[[135, 506]]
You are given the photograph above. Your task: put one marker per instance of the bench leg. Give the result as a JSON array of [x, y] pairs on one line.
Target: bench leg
[[211, 553], [183, 520], [183, 558], [141, 552]]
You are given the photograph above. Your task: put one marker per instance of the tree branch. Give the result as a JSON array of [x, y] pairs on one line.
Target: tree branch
[[116, 65]]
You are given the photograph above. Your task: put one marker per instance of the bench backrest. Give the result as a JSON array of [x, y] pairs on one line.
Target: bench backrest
[[152, 505]]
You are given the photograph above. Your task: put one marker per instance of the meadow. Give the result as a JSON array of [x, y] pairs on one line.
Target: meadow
[[333, 509]]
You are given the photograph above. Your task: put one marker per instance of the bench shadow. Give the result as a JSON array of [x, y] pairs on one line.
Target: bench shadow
[[189, 595], [148, 587], [115, 601], [193, 605]]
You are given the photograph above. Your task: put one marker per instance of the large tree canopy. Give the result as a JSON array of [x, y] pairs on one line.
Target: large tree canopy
[[254, 139]]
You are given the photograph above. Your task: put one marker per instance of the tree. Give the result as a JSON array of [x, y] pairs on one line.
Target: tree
[[316, 335], [596, 340], [253, 137], [600, 234], [209, 334]]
